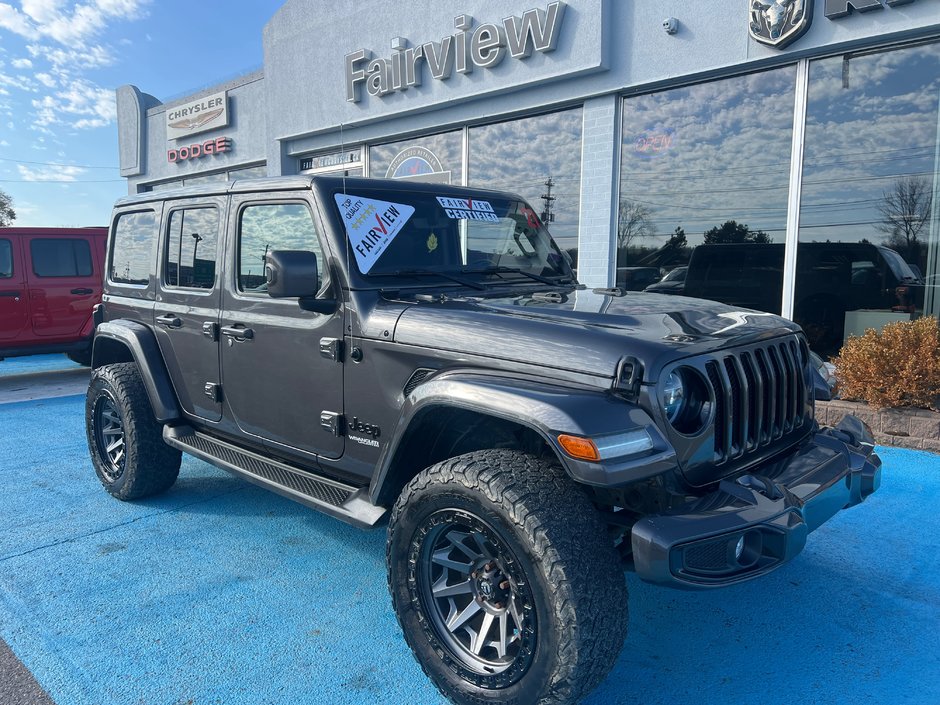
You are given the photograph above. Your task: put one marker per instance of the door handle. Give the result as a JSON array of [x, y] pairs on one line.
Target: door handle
[[14, 294], [82, 292], [169, 320], [237, 331]]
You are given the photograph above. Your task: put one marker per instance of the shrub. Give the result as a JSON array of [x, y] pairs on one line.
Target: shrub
[[899, 366]]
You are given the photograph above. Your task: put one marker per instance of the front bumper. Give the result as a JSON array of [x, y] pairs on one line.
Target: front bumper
[[757, 521]]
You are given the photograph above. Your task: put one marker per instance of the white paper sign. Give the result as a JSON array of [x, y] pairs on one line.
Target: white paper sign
[[468, 209], [371, 225]]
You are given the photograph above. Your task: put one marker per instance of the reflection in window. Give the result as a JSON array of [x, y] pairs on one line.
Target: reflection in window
[[6, 259], [708, 165], [538, 158], [868, 252], [132, 249], [265, 228], [191, 248], [437, 159]]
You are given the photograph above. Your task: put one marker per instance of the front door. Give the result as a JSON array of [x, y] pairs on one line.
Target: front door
[[186, 311], [14, 300], [275, 381]]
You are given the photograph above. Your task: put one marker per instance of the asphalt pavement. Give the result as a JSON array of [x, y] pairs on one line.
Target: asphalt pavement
[[218, 592]]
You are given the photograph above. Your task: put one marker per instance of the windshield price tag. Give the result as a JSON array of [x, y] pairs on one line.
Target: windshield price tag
[[371, 225], [468, 209]]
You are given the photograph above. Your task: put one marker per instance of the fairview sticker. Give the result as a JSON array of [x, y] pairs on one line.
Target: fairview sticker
[[371, 226], [468, 209]]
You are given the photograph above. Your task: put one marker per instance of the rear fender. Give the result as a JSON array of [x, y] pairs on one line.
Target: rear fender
[[128, 341]]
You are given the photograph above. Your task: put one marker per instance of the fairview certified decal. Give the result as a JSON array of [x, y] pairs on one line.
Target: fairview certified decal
[[468, 209], [371, 226]]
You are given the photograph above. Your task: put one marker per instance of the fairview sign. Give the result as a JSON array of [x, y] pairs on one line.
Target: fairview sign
[[484, 46], [197, 116]]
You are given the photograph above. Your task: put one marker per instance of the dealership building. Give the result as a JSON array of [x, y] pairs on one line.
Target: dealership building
[[796, 142]]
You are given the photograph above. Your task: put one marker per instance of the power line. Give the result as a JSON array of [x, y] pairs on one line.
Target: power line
[[80, 166]]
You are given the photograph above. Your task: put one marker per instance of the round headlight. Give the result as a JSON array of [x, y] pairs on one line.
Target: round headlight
[[674, 396]]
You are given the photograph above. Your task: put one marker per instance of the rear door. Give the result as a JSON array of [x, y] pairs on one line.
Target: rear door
[[186, 312], [14, 301], [64, 285], [276, 382]]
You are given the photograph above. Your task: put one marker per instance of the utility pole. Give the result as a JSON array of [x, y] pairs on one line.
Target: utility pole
[[547, 215]]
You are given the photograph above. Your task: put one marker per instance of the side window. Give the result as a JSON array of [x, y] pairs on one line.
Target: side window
[[131, 251], [6, 259], [263, 228], [191, 248], [61, 257]]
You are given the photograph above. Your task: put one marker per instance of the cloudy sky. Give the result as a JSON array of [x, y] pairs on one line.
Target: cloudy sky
[[60, 61]]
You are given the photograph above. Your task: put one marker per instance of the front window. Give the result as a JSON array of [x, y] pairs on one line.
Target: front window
[[391, 232], [266, 227]]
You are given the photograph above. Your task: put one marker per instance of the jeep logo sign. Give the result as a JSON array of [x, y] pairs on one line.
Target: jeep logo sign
[[484, 46]]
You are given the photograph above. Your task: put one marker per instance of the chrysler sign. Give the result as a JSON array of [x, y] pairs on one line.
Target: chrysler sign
[[197, 116], [482, 46]]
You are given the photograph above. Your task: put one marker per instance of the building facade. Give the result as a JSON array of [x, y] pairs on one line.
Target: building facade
[[778, 155]]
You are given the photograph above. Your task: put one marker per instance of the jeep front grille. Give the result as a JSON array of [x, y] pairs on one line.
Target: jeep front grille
[[760, 396]]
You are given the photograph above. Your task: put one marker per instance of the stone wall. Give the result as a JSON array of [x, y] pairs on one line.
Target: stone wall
[[906, 428]]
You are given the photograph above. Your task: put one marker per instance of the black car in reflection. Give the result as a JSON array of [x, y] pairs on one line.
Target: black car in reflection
[[672, 283], [832, 278]]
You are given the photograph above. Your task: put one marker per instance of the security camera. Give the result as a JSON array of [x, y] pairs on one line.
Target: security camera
[[671, 25]]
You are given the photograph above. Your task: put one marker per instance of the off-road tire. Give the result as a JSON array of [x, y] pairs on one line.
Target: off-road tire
[[148, 466], [554, 540]]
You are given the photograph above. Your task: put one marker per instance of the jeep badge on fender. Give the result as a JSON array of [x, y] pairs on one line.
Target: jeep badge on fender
[[538, 437]]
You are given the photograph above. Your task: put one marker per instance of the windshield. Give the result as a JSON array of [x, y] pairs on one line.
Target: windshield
[[899, 268], [395, 232]]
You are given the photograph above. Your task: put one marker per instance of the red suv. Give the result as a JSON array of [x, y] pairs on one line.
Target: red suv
[[50, 279]]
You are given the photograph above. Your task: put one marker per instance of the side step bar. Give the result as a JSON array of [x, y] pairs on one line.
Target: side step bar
[[351, 504]]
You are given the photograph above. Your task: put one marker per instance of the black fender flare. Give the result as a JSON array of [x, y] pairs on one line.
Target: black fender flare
[[142, 348], [543, 407]]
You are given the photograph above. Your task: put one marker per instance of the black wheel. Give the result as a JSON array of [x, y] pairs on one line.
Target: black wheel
[[124, 438], [82, 357], [505, 581]]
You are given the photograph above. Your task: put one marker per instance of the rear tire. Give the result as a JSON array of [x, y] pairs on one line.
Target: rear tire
[[505, 582], [124, 439]]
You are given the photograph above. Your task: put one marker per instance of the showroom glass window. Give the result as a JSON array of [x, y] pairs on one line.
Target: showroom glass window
[[437, 159], [538, 158], [868, 248], [704, 181]]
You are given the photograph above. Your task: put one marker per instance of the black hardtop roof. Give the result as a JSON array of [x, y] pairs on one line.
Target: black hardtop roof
[[295, 183]]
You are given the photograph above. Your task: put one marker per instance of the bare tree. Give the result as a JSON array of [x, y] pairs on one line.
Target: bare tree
[[7, 214], [633, 222], [905, 212]]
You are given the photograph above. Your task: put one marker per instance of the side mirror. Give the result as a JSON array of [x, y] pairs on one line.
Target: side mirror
[[293, 274]]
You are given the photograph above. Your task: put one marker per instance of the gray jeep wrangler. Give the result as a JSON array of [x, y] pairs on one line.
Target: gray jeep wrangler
[[423, 354]]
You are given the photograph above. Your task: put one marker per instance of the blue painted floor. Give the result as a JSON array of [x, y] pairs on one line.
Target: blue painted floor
[[218, 592], [35, 363]]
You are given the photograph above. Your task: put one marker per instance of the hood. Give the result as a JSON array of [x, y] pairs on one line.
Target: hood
[[585, 331]]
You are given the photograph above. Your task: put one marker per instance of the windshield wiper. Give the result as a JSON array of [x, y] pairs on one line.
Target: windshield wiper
[[518, 270], [443, 275]]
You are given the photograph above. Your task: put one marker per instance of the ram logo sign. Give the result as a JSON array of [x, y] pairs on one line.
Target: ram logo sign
[[779, 22]]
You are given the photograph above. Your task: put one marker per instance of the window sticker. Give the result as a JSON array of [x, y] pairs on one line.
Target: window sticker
[[371, 226], [468, 209]]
